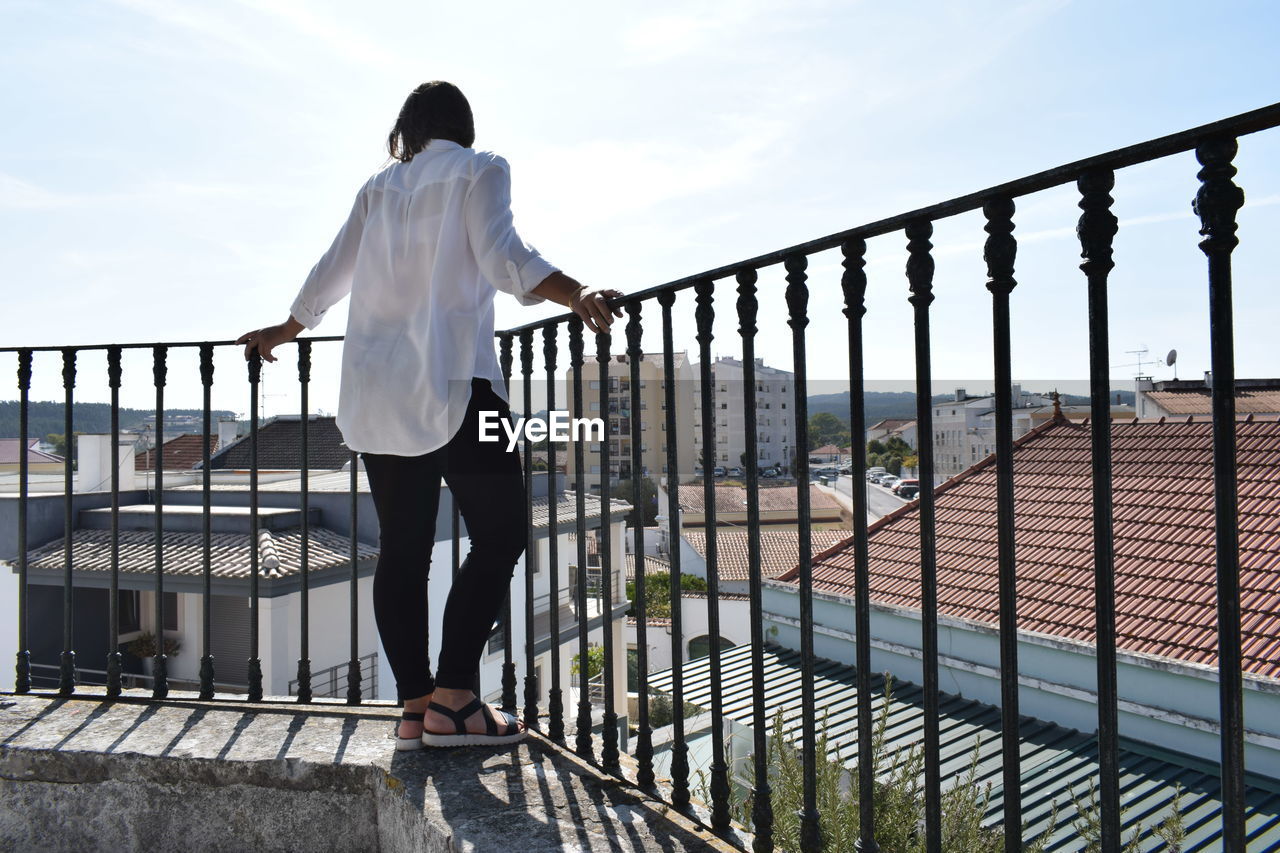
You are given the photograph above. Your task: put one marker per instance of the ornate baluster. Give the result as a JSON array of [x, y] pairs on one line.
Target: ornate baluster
[[160, 687], [762, 794], [114, 657], [206, 661], [1000, 251], [22, 667], [255, 663], [530, 552], [644, 734], [353, 664], [1097, 228], [797, 295], [304, 487], [67, 671], [1216, 203], [920, 276], [582, 742], [679, 748], [505, 358], [609, 753], [854, 286], [704, 315], [555, 697]]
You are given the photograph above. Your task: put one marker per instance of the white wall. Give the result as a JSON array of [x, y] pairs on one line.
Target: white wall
[[1162, 702]]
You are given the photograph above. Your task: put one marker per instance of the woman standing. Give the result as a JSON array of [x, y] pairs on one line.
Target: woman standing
[[428, 242]]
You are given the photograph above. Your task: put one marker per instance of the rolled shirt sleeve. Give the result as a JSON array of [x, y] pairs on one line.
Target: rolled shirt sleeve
[[509, 263], [330, 279]]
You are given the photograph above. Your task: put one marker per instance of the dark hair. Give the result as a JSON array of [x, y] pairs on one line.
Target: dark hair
[[435, 110]]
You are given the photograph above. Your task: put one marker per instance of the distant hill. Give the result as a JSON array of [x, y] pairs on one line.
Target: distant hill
[[44, 417], [902, 404], [879, 405]]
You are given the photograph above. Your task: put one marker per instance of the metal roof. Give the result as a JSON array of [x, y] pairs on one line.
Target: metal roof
[[279, 551], [1054, 759], [779, 549]]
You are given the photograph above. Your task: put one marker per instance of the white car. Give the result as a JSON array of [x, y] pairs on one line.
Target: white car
[[888, 481]]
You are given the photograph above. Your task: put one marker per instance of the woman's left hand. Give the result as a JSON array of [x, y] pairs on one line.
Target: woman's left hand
[[264, 340]]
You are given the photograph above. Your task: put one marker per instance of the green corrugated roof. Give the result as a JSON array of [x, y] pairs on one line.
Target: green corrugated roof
[[1054, 759]]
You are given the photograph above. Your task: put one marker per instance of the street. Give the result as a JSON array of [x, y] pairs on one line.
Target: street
[[880, 501]]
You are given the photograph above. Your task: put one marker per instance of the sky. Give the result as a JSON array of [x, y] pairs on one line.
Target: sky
[[171, 170]]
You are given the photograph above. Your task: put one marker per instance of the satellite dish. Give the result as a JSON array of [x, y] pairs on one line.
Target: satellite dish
[[1171, 359]]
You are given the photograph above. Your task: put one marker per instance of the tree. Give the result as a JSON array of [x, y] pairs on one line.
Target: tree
[[645, 502], [826, 428], [657, 592]]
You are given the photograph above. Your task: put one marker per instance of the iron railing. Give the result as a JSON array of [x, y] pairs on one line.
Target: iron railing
[[1216, 204]]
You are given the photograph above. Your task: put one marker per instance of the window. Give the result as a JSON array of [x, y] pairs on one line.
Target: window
[[595, 384], [170, 609], [595, 469], [724, 405], [700, 647], [130, 611], [595, 405]]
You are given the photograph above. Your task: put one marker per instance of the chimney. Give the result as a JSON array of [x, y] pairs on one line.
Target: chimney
[[959, 395], [93, 463], [226, 432]]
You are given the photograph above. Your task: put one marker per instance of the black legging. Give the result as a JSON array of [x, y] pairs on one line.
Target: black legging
[[486, 481]]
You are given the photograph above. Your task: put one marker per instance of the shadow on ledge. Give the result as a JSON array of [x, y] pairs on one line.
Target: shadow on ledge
[[84, 773]]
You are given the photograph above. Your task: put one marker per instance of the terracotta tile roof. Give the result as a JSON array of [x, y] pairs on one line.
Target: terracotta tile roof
[[778, 549], [891, 424], [280, 552], [652, 565], [567, 510], [826, 450], [9, 452], [1198, 401], [181, 453], [1164, 541], [280, 446], [772, 498]]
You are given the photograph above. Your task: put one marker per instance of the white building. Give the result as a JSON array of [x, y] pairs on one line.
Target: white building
[[279, 586], [964, 429], [775, 426]]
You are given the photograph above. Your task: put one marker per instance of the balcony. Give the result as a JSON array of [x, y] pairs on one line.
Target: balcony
[[686, 760]]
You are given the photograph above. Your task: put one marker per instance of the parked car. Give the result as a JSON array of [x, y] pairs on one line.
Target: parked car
[[846, 470], [888, 481], [909, 492], [873, 473], [719, 471], [909, 481], [770, 472], [735, 472]]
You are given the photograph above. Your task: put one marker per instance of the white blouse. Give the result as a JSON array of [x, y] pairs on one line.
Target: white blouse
[[425, 247]]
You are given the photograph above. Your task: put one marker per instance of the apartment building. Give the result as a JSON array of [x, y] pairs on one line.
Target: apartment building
[[775, 425], [648, 426]]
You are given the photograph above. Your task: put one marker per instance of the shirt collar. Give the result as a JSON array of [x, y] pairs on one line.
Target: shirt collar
[[441, 145]]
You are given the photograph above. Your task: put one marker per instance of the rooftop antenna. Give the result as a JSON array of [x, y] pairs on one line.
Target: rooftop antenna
[[1141, 354], [1171, 360]]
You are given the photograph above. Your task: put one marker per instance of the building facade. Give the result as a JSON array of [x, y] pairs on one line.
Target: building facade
[[623, 426], [775, 425]]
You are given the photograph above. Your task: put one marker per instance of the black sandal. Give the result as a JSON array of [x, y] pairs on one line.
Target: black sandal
[[511, 730], [407, 743]]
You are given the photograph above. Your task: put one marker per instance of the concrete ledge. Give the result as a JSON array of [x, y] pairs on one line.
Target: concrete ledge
[[85, 773]]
